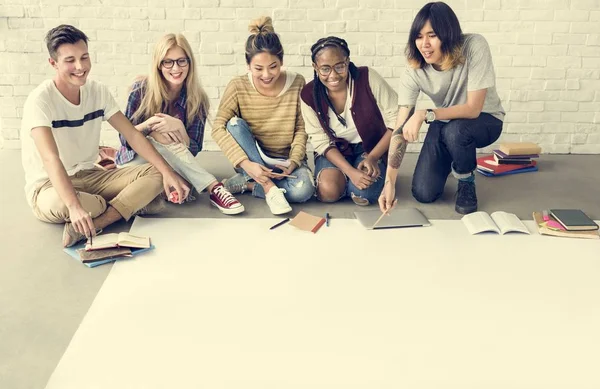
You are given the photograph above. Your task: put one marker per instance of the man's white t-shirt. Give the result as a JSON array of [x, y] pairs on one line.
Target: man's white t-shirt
[[76, 129]]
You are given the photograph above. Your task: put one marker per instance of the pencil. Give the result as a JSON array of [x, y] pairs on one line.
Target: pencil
[[283, 175], [385, 213], [280, 223]]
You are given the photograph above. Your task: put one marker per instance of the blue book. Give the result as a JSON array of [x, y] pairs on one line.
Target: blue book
[[524, 170], [73, 252]]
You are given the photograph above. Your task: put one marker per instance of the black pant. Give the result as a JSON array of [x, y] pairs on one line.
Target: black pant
[[448, 146]]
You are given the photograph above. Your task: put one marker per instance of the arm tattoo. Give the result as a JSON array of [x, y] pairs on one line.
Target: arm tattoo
[[397, 149], [398, 145]]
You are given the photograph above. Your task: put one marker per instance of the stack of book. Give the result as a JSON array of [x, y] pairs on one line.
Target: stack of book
[[510, 158], [109, 248], [570, 223]]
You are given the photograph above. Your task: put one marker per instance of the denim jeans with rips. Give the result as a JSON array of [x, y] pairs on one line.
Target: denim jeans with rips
[[298, 190]]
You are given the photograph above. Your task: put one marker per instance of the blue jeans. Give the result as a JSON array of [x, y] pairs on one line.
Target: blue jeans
[[450, 147], [298, 190], [372, 192]]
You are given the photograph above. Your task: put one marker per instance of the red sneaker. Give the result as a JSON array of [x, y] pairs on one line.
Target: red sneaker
[[222, 199]]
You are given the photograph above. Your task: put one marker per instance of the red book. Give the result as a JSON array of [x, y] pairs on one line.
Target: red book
[[488, 164]]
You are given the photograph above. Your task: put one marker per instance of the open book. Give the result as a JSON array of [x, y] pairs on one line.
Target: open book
[[498, 222], [100, 257], [271, 162], [122, 239]]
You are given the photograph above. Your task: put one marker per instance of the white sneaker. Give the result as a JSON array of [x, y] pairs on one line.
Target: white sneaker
[[277, 202]]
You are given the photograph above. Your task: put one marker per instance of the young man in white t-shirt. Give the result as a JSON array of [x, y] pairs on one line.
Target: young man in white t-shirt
[[60, 135]]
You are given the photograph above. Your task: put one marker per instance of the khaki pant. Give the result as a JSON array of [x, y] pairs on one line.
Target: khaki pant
[[127, 190]]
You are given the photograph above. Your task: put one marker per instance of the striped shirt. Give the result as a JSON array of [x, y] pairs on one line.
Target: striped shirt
[[75, 128], [195, 130], [276, 122]]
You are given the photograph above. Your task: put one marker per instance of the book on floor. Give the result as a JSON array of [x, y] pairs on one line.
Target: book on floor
[[307, 222], [573, 219], [499, 222], [519, 148], [512, 161], [543, 229], [500, 154], [122, 239], [88, 256], [488, 166], [103, 256]]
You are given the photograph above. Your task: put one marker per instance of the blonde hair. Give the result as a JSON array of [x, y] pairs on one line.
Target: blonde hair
[[263, 39], [156, 90]]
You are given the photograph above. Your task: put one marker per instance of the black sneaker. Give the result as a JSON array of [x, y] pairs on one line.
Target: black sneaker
[[466, 198]]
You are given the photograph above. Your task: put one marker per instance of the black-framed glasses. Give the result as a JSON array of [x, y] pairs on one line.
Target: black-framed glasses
[[169, 63], [339, 68]]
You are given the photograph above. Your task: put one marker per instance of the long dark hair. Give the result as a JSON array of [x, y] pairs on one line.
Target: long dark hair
[[320, 90], [446, 26]]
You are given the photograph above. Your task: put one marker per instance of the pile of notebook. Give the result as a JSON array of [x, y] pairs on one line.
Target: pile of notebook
[[109, 248], [510, 158], [572, 223]]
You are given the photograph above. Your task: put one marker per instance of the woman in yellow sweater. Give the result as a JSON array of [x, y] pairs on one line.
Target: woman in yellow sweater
[[260, 128]]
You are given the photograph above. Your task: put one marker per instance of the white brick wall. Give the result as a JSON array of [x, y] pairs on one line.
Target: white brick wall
[[546, 52]]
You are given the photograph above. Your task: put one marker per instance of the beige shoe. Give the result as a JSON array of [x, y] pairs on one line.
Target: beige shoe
[[155, 206], [70, 236]]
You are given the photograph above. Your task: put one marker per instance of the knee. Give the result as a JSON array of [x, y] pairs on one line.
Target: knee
[[331, 185], [236, 126], [154, 177], [425, 194], [50, 208], [300, 191], [454, 134]]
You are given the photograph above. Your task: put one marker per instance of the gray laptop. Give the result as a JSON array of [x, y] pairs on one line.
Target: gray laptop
[[398, 218]]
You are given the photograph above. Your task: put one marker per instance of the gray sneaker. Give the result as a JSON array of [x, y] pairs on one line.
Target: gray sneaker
[[155, 206], [236, 184], [71, 237]]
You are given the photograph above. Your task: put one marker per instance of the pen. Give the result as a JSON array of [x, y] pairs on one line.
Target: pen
[[287, 219], [327, 219]]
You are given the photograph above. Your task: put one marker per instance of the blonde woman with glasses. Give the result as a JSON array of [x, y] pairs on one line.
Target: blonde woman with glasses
[[348, 113], [170, 107]]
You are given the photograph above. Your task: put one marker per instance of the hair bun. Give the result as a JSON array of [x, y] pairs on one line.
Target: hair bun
[[263, 25]]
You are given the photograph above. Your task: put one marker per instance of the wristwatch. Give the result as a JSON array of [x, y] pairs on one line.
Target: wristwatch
[[429, 116]]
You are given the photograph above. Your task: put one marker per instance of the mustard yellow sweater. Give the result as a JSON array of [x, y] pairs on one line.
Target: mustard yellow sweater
[[276, 122]]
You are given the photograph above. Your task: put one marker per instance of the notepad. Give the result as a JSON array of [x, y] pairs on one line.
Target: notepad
[[573, 219], [307, 222]]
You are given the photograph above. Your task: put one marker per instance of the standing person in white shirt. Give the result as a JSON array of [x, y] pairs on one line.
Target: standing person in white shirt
[[456, 71], [60, 135]]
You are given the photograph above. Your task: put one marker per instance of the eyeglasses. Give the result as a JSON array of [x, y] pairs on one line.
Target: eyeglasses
[[169, 63], [340, 68]]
